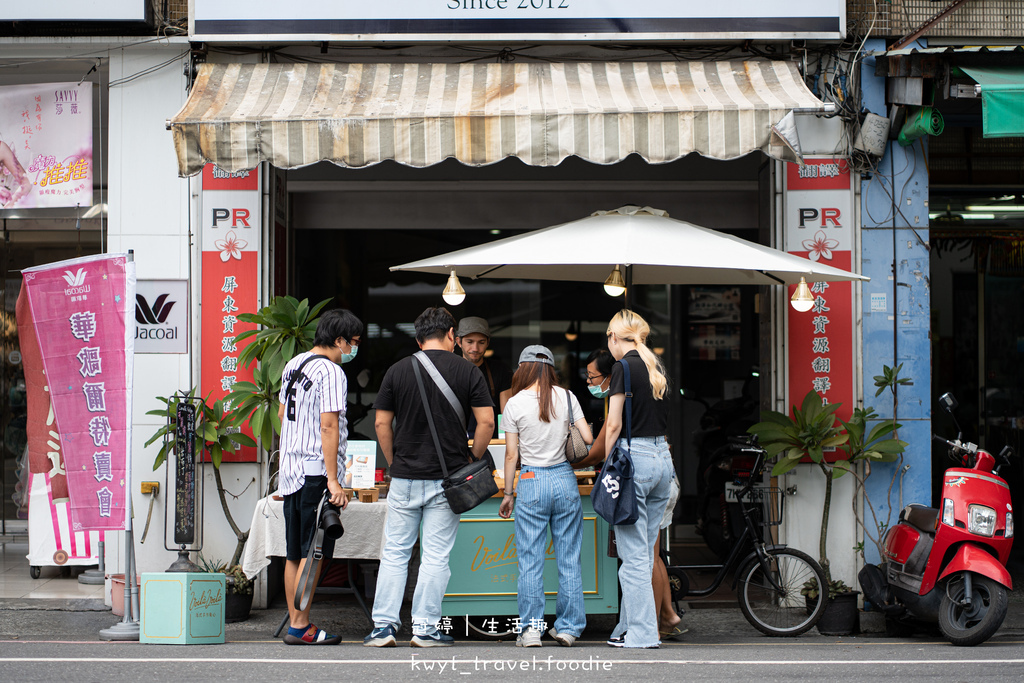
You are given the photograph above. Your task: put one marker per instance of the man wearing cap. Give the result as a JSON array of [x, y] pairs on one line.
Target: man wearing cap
[[473, 337]]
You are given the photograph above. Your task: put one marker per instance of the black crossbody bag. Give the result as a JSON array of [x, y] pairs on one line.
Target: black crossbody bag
[[468, 486]]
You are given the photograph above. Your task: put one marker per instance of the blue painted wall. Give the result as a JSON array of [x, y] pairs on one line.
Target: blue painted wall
[[894, 253]]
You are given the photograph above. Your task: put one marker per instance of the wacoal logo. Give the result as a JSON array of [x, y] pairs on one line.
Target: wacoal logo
[[74, 279], [144, 315]]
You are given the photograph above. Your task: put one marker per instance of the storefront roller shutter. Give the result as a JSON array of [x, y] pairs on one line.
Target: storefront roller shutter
[[356, 115]]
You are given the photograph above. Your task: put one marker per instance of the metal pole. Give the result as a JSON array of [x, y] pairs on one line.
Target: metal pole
[[128, 627], [628, 277]]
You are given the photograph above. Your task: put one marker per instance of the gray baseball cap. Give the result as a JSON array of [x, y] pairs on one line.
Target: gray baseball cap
[[537, 354], [473, 325]]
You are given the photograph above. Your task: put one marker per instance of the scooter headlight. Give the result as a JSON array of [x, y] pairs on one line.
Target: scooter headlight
[[981, 520], [947, 512], [1009, 526]]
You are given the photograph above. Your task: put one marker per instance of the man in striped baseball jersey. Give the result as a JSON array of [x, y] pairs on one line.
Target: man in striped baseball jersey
[[314, 437]]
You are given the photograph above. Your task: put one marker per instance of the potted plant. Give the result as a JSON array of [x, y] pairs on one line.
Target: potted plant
[[216, 434], [287, 328], [813, 428], [238, 601], [880, 444]]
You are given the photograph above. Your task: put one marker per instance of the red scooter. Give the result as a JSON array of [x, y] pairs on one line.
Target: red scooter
[[949, 565]]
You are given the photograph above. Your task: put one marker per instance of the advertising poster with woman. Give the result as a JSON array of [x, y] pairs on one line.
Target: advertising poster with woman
[[46, 145]]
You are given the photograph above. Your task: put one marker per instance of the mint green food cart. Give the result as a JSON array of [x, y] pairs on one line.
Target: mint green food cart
[[481, 596]]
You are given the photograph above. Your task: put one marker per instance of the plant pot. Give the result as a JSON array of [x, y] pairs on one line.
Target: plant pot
[[840, 616], [117, 593], [237, 606]]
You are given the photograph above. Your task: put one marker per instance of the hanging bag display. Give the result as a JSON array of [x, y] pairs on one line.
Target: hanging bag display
[[613, 495], [575, 448], [468, 486]]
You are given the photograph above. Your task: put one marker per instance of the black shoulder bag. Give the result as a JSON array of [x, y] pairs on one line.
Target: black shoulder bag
[[613, 495], [470, 485]]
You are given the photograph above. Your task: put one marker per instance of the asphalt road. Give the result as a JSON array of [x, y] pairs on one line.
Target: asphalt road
[[811, 658]]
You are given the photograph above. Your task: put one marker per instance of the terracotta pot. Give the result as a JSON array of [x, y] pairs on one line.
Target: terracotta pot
[[117, 593]]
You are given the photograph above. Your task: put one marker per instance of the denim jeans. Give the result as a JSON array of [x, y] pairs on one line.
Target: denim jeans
[[411, 501], [552, 497], [652, 477]]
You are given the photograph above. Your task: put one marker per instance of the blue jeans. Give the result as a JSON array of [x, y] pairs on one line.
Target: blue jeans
[[552, 497], [411, 501], [652, 477]]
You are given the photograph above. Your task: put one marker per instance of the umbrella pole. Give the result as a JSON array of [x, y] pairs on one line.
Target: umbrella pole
[[629, 287]]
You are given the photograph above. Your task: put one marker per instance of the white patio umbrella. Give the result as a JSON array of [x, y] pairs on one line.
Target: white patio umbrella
[[648, 245]]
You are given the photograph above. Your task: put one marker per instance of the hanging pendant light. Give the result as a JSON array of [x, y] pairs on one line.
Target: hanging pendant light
[[615, 285], [453, 293], [802, 299]]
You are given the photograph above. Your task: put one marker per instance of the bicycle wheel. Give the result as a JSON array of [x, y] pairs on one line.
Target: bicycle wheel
[[784, 612]]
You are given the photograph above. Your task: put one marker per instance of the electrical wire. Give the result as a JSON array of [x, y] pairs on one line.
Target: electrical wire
[[99, 52], [149, 70]]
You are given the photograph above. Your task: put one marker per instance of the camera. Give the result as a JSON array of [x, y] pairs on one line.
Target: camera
[[328, 518]]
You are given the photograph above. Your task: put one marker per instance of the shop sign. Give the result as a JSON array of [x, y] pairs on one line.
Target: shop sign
[[46, 145], [185, 474], [72, 10], [482, 20], [161, 316], [83, 324], [819, 226], [231, 225]]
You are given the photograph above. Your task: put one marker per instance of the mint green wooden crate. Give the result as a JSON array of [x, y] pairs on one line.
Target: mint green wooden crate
[[182, 608]]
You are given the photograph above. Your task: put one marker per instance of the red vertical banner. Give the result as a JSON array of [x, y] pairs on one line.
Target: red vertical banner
[[83, 317], [231, 228], [819, 226]]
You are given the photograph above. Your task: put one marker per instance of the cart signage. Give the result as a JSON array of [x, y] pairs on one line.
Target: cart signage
[[819, 226], [231, 225], [85, 328], [488, 564], [447, 20]]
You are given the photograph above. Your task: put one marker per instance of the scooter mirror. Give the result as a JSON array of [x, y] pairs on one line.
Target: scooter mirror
[[948, 401]]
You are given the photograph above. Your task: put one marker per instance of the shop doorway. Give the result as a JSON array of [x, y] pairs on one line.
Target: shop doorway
[[976, 213], [347, 227], [29, 243]]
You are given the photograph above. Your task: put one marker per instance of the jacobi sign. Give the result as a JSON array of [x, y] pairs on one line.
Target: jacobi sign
[[161, 316], [448, 20]]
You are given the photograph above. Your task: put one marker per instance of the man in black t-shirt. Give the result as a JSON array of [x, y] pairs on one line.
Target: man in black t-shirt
[[416, 495]]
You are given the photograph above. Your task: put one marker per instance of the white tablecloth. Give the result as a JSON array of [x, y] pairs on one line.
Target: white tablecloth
[[363, 539]]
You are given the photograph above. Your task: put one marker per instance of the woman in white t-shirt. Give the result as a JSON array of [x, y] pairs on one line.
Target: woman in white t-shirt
[[536, 425]]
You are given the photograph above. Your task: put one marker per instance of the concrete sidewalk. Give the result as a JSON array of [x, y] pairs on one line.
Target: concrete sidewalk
[[81, 620]]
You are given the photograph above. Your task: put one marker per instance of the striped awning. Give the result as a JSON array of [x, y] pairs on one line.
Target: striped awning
[[356, 115]]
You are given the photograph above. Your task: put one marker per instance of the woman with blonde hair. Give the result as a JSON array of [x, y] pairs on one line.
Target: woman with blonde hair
[[536, 422], [652, 472]]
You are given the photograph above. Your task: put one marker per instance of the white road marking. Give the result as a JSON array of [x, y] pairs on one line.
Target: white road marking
[[470, 660]]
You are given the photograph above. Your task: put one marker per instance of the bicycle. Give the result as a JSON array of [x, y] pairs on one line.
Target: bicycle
[[770, 576]]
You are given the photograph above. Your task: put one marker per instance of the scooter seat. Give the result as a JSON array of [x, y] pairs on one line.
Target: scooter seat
[[920, 517]]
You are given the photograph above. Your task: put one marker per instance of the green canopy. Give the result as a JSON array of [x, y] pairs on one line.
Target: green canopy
[[1002, 99]]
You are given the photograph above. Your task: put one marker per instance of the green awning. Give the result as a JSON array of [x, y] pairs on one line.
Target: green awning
[[1002, 99]]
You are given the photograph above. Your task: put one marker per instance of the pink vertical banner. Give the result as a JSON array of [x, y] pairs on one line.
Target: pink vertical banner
[[83, 310]]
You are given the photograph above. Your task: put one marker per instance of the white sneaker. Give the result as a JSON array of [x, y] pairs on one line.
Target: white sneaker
[[530, 637], [563, 639]]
